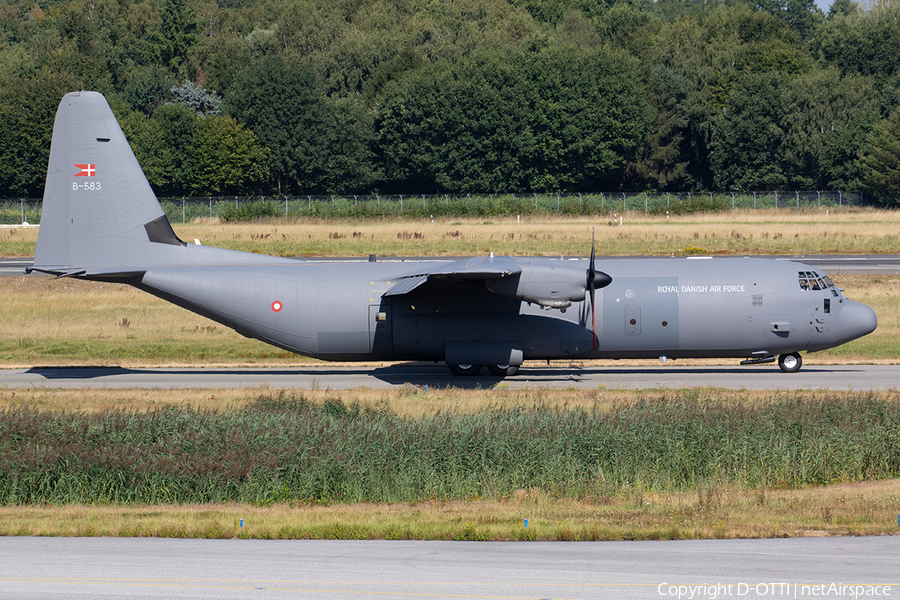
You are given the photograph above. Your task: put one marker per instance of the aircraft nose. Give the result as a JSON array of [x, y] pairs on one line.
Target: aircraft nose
[[857, 320]]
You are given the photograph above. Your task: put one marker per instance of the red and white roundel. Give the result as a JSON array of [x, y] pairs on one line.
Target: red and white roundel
[[277, 306]]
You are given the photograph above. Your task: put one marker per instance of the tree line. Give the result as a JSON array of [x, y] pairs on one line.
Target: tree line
[[482, 96]]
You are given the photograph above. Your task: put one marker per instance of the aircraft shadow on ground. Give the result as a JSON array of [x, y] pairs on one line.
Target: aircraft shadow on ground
[[96, 372], [435, 376]]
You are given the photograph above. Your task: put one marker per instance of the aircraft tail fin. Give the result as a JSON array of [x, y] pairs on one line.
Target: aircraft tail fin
[[99, 213]]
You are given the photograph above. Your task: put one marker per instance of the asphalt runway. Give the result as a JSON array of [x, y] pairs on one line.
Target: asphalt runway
[[759, 377], [52, 568]]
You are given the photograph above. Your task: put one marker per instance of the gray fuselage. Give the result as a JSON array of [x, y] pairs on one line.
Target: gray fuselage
[[703, 307]]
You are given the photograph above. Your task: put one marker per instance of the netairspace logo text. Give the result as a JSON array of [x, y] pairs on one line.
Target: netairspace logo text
[[771, 590]]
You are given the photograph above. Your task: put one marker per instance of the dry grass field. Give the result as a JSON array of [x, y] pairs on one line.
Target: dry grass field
[[868, 508], [848, 230]]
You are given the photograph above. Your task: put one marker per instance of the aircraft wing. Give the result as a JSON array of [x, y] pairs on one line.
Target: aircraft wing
[[478, 268]]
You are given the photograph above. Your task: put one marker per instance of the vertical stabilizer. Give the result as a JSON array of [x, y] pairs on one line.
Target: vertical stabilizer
[[99, 212]]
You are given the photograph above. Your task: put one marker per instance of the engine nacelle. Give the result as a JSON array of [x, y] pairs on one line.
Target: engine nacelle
[[552, 286]]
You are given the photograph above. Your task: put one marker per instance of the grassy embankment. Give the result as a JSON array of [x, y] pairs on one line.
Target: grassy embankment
[[72, 322], [450, 464], [852, 231]]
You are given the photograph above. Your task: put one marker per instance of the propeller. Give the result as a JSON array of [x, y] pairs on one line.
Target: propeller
[[595, 280]]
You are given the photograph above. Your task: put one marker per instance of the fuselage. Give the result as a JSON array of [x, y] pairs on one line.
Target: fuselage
[[677, 308]]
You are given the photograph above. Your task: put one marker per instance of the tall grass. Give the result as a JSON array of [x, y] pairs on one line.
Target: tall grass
[[284, 448]]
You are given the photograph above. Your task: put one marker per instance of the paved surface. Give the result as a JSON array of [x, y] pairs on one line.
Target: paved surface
[[760, 377], [37, 568]]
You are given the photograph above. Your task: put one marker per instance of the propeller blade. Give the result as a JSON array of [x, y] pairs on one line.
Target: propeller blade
[[595, 279], [591, 286]]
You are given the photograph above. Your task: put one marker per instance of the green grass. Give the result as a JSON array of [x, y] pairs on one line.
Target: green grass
[[285, 448]]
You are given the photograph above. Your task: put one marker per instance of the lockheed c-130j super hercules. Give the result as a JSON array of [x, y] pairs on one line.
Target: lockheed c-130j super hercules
[[101, 221]]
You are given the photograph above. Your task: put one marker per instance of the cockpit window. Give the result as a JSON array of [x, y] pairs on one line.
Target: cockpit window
[[814, 281]]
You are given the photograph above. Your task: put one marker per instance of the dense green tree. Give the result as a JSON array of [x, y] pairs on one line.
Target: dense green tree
[[349, 164], [162, 146], [803, 16], [146, 88], [663, 163], [453, 127], [825, 119], [746, 145], [27, 111], [284, 105], [465, 95], [224, 158], [880, 162], [559, 120], [863, 44], [178, 27]]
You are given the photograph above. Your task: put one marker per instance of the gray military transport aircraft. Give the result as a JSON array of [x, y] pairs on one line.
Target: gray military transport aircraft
[[101, 221]]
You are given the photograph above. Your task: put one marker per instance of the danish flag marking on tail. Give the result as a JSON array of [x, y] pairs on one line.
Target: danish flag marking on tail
[[88, 170]]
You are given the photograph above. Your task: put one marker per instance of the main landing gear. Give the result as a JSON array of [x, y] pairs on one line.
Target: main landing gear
[[496, 370]]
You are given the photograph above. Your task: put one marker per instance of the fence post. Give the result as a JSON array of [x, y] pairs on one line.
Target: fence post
[[309, 199], [182, 210], [667, 200], [646, 206], [797, 194], [601, 200], [623, 202], [401, 202], [535, 201], [210, 206], [732, 200], [710, 201], [23, 211], [776, 199], [819, 198], [580, 203], [754, 200], [285, 205], [423, 202], [557, 201], [840, 197]]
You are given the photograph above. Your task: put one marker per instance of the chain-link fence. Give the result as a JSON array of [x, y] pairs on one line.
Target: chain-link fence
[[186, 209]]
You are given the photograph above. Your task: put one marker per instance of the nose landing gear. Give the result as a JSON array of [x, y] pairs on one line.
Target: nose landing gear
[[790, 363]]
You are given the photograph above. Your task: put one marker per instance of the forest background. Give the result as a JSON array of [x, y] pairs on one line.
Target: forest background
[[480, 96]]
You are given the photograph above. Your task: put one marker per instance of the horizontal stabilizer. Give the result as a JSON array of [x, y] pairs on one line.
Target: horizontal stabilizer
[[102, 274]]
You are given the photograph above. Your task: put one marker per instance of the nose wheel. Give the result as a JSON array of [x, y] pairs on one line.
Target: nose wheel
[[790, 363]]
